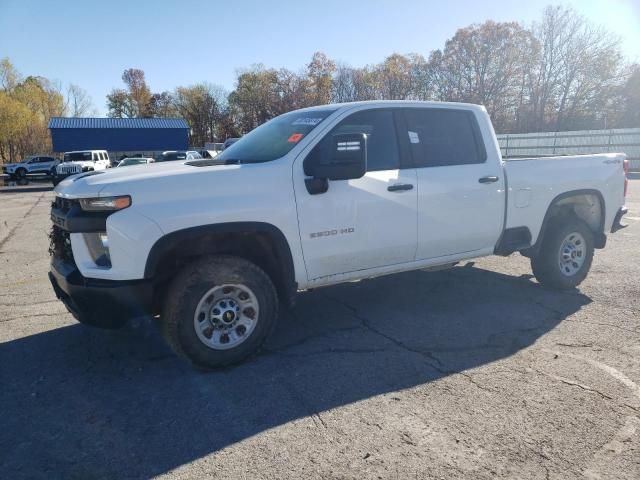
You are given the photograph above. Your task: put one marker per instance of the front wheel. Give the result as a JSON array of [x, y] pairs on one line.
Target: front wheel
[[565, 257], [21, 173], [218, 311]]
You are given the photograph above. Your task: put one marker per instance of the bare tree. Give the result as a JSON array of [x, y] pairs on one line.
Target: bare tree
[[577, 69], [78, 102], [483, 64]]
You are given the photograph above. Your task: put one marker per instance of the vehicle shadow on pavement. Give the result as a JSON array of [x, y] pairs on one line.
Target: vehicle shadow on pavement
[[78, 402]]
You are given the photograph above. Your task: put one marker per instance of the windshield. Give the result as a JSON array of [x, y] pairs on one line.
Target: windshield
[[77, 157], [169, 156], [275, 138], [132, 161]]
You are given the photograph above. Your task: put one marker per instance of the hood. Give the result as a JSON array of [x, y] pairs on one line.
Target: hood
[[161, 176]]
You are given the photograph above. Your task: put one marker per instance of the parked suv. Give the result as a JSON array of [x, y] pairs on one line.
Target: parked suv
[[36, 164], [316, 197], [81, 161]]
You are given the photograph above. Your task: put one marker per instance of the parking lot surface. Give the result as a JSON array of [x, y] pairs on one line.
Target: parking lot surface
[[475, 372]]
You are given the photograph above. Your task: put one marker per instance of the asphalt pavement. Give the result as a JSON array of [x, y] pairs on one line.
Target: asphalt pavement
[[475, 372]]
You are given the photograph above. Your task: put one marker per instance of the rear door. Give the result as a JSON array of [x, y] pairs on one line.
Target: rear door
[[460, 190], [362, 223]]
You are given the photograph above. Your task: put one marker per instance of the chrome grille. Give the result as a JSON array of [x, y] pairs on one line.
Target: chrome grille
[[68, 169]]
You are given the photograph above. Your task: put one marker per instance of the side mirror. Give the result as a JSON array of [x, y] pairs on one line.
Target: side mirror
[[346, 158]]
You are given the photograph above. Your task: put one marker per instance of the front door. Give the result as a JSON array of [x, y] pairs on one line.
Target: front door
[[363, 223]]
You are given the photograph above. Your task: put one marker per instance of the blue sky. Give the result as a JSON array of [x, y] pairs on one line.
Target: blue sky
[[91, 42]]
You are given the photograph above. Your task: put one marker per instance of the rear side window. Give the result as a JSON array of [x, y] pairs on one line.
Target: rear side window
[[382, 145], [443, 137], [95, 156]]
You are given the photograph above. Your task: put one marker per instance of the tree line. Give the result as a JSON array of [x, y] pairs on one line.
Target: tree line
[[560, 73], [26, 104]]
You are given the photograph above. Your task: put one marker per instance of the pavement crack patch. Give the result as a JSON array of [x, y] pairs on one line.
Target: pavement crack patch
[[13, 230], [573, 383], [320, 419], [432, 360], [327, 351], [603, 325], [12, 304], [474, 382], [310, 338], [11, 319], [575, 345]]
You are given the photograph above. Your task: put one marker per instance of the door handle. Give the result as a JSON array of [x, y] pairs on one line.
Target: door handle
[[399, 187], [489, 179]]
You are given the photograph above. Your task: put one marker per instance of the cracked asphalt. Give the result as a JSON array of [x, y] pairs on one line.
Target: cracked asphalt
[[475, 372]]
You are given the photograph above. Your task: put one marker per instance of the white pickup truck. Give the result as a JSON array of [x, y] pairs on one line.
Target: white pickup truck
[[317, 197]]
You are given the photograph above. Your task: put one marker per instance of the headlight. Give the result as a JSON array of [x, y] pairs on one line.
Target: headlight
[[105, 204], [98, 246]]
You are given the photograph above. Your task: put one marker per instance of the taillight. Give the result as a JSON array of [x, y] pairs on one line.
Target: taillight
[[625, 167]]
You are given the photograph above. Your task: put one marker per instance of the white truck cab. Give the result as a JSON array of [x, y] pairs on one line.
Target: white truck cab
[[317, 197]]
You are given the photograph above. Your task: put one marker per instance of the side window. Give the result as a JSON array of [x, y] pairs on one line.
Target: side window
[[443, 137], [382, 144], [100, 155], [35, 160], [95, 156]]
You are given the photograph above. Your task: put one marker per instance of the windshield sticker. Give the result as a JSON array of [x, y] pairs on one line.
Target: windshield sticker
[[309, 121], [413, 137], [295, 137]]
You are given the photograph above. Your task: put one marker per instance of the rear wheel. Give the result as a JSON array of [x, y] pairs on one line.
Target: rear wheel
[[565, 257], [218, 311]]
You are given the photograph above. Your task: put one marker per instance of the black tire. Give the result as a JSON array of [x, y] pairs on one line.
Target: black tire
[[21, 173], [189, 287], [546, 263]]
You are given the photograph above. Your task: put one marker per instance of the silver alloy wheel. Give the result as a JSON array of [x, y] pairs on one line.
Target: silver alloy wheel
[[572, 254], [226, 316]]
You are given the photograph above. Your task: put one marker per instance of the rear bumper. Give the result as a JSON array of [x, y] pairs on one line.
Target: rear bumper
[[101, 303], [617, 225]]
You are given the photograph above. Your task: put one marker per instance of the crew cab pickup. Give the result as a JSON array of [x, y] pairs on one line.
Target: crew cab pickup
[[315, 197]]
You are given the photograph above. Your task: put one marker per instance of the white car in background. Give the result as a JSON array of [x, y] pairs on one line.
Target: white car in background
[[81, 161], [127, 162], [173, 155], [34, 164]]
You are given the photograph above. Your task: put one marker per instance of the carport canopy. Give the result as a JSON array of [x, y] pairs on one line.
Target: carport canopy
[[118, 134]]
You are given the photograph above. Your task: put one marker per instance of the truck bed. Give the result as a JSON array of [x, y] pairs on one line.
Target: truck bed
[[533, 183]]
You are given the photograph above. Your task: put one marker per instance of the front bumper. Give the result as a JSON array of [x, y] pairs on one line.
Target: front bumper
[[616, 222], [100, 303]]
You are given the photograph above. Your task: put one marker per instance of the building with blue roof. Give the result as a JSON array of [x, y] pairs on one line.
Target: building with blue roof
[[119, 135]]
